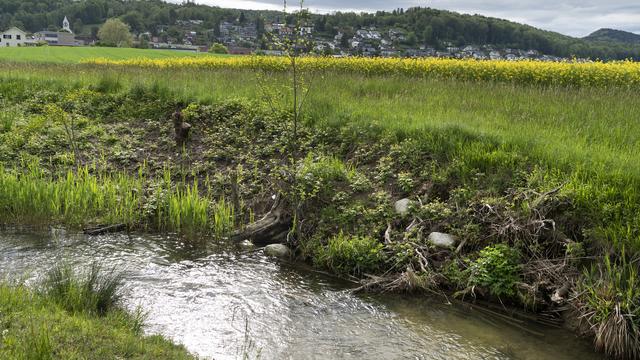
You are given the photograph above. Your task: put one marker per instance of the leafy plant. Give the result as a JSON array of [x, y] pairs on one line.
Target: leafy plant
[[351, 255], [496, 269]]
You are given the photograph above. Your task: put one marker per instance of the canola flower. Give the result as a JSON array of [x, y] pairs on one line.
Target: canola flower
[[590, 74]]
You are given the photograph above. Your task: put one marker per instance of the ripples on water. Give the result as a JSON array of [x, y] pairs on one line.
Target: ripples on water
[[222, 303]]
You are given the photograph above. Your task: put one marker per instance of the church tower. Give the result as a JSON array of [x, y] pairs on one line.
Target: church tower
[[65, 25]]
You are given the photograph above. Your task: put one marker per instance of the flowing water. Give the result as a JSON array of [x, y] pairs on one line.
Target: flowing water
[[225, 303]]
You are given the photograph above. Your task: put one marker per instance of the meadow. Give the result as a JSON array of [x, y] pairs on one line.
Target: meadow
[[547, 165], [57, 54]]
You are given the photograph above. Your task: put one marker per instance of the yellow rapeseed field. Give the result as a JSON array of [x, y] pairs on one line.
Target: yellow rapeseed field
[[599, 74]]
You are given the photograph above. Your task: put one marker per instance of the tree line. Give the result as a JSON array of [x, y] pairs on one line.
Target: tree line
[[422, 26]]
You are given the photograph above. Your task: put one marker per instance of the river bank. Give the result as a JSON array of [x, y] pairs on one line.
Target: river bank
[[366, 202]]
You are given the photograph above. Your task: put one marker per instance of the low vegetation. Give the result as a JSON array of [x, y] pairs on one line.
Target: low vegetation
[[538, 184], [65, 55], [574, 74], [75, 315]]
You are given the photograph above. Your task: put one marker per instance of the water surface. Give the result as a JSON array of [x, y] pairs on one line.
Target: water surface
[[222, 302]]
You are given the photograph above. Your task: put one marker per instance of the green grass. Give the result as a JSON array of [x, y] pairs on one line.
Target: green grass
[[75, 317], [67, 55], [596, 128], [584, 138], [484, 158], [82, 197]]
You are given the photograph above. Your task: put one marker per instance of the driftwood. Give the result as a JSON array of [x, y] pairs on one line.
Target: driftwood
[[105, 229], [271, 229]]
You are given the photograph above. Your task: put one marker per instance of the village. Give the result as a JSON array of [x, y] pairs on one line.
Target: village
[[245, 38]]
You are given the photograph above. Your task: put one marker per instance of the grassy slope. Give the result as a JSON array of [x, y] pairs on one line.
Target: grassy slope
[[481, 137], [596, 128], [53, 54], [590, 135], [35, 327]]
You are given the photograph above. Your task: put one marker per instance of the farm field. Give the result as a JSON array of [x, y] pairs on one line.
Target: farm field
[[532, 166], [69, 55]]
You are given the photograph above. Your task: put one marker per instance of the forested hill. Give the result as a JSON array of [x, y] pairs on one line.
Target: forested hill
[[424, 26], [611, 35]]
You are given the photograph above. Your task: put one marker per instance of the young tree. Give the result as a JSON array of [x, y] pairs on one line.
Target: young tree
[[115, 33]]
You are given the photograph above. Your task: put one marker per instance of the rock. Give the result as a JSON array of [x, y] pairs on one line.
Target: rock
[[277, 250], [442, 240], [247, 245], [402, 206]]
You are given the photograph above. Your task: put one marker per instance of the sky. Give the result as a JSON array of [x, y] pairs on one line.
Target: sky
[[570, 17]]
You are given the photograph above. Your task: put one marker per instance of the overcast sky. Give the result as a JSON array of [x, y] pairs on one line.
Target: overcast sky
[[571, 17]]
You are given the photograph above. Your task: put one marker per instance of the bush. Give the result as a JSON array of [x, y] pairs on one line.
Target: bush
[[351, 255], [218, 49], [496, 269]]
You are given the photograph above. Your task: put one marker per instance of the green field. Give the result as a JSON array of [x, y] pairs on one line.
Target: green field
[[60, 54], [551, 171]]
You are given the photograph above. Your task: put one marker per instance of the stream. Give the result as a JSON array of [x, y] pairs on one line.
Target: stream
[[222, 302]]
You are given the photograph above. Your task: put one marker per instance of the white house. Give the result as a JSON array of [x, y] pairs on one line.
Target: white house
[[13, 37]]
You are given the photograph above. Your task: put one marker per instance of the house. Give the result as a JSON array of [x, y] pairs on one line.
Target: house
[[495, 55], [230, 33], [237, 50], [58, 38], [13, 37]]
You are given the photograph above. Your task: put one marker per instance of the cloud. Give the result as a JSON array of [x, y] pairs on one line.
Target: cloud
[[571, 17]]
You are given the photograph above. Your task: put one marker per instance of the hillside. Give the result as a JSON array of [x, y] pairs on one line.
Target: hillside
[[418, 27], [611, 35]]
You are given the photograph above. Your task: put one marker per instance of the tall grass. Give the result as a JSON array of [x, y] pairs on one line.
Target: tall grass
[[610, 304], [86, 195], [78, 198], [96, 291], [183, 208]]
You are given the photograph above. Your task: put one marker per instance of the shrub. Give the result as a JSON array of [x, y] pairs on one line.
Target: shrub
[[496, 269], [354, 255], [218, 49]]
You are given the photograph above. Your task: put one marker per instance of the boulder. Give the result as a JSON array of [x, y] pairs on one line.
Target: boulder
[[442, 240], [247, 244], [402, 206], [277, 250]]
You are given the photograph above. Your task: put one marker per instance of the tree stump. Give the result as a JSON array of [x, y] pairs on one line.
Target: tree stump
[[181, 128], [270, 229]]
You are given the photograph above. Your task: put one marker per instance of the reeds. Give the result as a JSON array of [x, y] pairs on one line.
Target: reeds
[[87, 196]]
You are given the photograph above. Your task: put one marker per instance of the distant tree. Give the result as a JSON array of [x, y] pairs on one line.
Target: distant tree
[[134, 20], [218, 49], [115, 33], [260, 26], [94, 31]]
